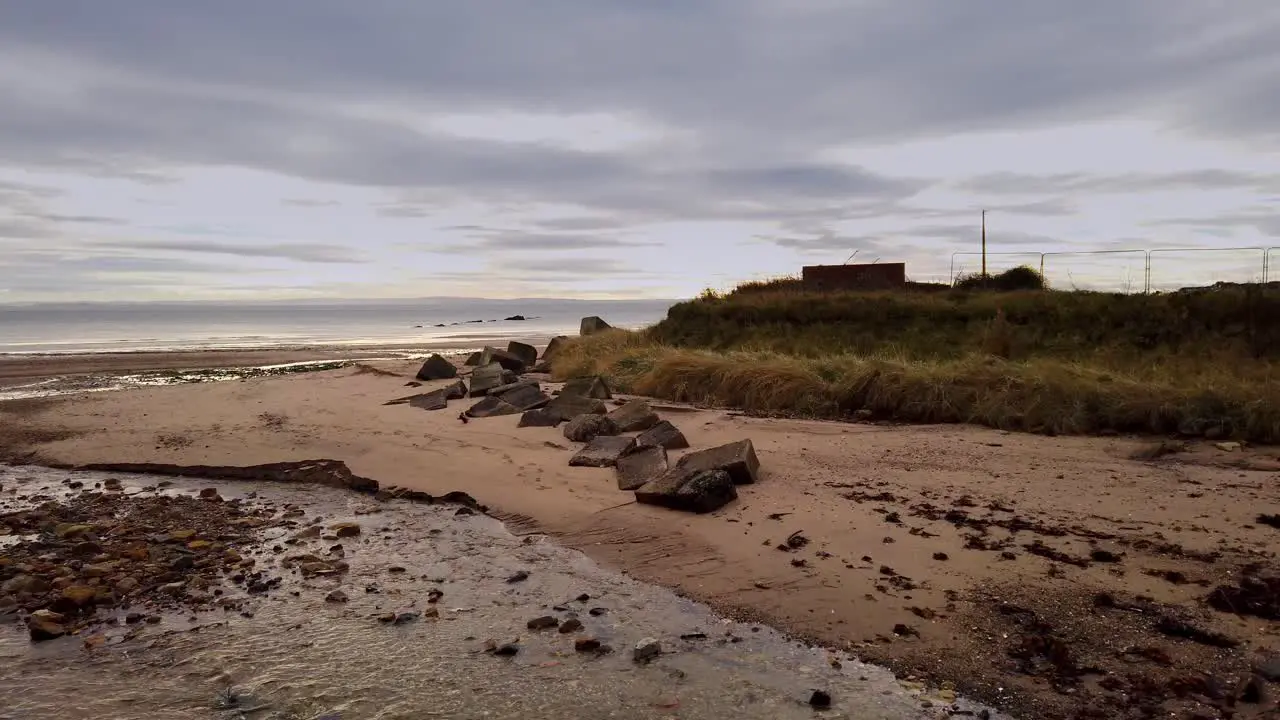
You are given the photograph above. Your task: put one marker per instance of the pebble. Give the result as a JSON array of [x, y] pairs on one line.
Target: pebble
[[820, 700], [646, 650], [586, 644], [572, 625], [546, 622], [337, 596], [518, 577], [345, 529]]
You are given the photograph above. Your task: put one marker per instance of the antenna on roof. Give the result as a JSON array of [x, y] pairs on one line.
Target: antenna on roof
[[855, 252]]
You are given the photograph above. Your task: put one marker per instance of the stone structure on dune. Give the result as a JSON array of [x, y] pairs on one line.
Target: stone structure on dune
[[592, 325]]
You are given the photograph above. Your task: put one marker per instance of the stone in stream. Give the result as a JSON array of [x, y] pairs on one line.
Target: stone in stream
[[634, 415], [603, 451], [485, 378], [542, 417], [45, 625], [591, 387], [435, 400], [664, 435], [646, 650], [472, 360], [491, 407], [546, 622], [585, 428], [593, 324], [681, 488], [507, 360], [437, 368], [337, 596], [737, 458], [569, 407], [641, 466], [572, 625], [528, 354]]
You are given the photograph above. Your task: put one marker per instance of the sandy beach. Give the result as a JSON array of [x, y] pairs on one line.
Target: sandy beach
[[943, 551]]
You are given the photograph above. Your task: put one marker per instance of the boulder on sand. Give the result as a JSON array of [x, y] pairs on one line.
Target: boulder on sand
[[491, 407], [542, 417], [603, 451], [585, 428], [738, 459], [502, 357], [664, 435], [569, 407], [437, 368], [641, 466], [634, 415], [472, 360], [683, 488], [456, 391], [591, 387], [528, 354], [522, 396], [556, 345], [435, 400], [593, 324], [485, 378]]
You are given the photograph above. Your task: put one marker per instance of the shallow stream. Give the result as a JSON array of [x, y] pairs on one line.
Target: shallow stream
[[297, 657]]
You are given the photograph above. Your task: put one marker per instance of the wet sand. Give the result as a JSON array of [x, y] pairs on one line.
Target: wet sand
[[295, 653], [962, 553]]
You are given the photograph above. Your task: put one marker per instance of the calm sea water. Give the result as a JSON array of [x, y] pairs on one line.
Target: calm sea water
[[80, 328]]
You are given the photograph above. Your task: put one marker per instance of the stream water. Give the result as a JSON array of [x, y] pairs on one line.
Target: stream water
[[299, 657]]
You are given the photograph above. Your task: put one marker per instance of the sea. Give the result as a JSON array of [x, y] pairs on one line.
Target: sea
[[75, 328]]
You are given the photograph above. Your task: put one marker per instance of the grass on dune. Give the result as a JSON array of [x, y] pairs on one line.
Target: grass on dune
[[1037, 394]]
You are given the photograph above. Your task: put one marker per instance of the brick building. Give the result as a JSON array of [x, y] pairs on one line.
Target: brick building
[[863, 276]]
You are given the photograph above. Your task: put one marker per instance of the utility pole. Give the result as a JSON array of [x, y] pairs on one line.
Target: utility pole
[[984, 247]]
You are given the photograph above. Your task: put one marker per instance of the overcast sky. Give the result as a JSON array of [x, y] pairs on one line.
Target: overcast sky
[[591, 148]]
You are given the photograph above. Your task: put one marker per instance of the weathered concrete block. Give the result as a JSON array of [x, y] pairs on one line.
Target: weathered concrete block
[[485, 378], [491, 407], [665, 435], [592, 387], [542, 417], [634, 415], [502, 357], [585, 428], [593, 324], [557, 344], [435, 400], [738, 459], [523, 396], [571, 406], [473, 360], [602, 451], [456, 391], [681, 488], [641, 466], [528, 354], [437, 368]]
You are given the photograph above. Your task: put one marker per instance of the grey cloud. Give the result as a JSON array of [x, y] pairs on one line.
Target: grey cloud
[[1209, 179], [484, 240], [756, 84], [887, 69], [300, 252], [303, 202], [1263, 220], [75, 219]]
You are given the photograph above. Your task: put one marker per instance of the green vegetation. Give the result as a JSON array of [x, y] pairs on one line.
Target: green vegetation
[[1199, 361]]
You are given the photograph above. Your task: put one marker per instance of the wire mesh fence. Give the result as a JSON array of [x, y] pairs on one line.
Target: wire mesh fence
[[1133, 270]]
